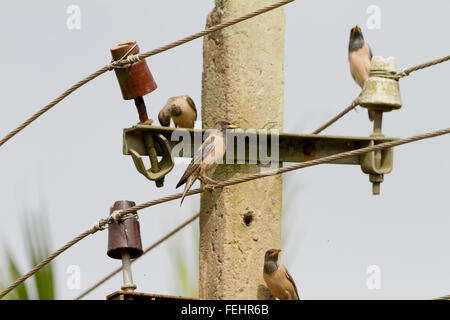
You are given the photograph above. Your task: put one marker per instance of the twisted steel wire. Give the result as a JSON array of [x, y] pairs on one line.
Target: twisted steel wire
[[148, 249], [134, 58], [117, 215], [397, 76]]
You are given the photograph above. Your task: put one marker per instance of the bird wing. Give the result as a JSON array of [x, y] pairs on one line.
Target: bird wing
[[291, 280], [205, 149], [370, 51], [192, 105], [371, 113]]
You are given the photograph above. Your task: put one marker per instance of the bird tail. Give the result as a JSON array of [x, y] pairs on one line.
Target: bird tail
[[188, 185]]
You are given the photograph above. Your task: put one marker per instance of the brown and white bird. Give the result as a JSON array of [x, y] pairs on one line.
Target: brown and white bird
[[359, 56], [181, 110], [277, 278], [206, 157]]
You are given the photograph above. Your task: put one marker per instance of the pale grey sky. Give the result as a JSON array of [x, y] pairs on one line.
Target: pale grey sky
[[71, 161]]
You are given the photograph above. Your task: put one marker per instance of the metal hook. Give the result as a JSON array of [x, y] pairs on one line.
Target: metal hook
[[158, 169], [376, 164]]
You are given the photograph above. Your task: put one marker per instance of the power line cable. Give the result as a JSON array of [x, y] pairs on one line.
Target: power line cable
[[337, 117], [135, 58], [397, 76], [148, 249], [117, 215]]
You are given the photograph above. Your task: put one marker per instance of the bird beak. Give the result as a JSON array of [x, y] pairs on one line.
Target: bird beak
[[276, 252], [356, 29], [232, 126]]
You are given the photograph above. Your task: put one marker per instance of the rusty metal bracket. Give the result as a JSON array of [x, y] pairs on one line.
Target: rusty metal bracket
[[292, 148], [377, 164], [159, 169]]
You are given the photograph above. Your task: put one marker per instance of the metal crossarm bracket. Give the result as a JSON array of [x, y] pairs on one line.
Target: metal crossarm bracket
[[292, 147]]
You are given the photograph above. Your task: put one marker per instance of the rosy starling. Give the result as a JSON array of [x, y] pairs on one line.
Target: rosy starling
[[181, 110], [359, 56], [206, 157], [277, 278]]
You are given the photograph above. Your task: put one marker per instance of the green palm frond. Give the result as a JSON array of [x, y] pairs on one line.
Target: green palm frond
[[186, 283], [38, 248], [12, 272], [37, 239], [186, 265]]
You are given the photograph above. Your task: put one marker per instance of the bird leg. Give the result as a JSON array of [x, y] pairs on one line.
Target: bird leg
[[210, 184], [209, 187]]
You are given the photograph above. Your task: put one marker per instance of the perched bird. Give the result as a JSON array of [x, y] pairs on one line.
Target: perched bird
[[182, 111], [206, 157], [277, 278], [359, 56]]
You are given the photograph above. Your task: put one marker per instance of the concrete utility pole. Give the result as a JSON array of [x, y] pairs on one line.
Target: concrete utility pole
[[243, 82]]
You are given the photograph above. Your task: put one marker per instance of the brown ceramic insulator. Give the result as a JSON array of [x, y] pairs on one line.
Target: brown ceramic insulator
[[136, 80], [125, 234]]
